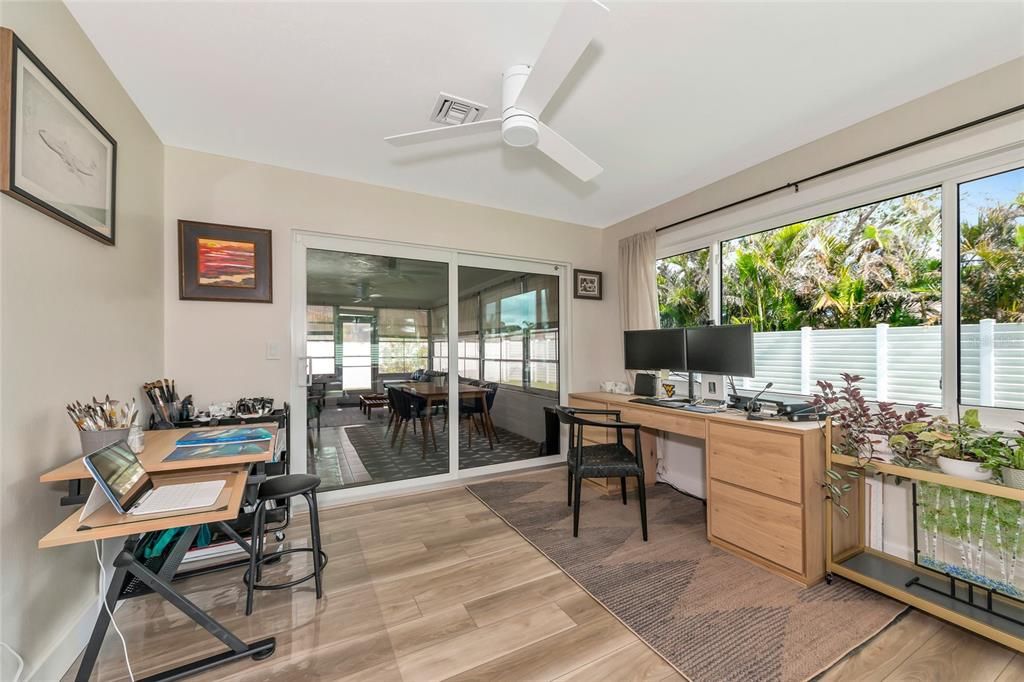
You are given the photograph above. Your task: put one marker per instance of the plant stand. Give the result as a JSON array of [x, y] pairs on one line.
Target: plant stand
[[951, 598]]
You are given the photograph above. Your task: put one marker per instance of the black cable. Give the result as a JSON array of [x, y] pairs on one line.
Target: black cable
[[892, 150]]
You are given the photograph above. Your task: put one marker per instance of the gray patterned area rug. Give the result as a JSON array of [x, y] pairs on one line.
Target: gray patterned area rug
[[712, 615]]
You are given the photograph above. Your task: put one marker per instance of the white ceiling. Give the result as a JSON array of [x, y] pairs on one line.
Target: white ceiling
[[668, 98]]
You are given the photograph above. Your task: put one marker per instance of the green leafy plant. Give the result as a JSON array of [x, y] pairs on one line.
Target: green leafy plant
[[964, 441], [861, 430]]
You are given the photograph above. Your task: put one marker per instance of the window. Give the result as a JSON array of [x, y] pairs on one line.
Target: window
[[355, 350], [991, 232], [683, 291], [520, 333], [320, 339], [856, 291], [402, 345]]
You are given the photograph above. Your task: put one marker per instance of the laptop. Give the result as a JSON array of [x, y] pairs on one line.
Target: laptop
[[119, 473]]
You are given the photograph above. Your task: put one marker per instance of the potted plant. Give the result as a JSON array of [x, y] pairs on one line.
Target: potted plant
[[863, 432], [1009, 459], [961, 449]]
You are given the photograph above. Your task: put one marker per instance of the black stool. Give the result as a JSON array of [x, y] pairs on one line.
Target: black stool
[[276, 489]]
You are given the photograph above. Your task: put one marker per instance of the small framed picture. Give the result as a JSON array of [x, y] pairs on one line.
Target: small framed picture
[[586, 284], [55, 157], [224, 263]]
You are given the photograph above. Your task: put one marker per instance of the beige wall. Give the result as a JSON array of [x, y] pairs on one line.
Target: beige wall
[[994, 90], [217, 351], [78, 319]]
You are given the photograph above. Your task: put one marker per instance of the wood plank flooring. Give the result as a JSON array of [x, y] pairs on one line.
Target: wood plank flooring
[[435, 586]]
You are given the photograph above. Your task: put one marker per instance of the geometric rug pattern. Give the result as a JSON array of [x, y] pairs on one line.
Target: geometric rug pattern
[[386, 463], [712, 615]]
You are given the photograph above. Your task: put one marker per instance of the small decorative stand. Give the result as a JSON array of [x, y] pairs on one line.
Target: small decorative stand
[[963, 597]]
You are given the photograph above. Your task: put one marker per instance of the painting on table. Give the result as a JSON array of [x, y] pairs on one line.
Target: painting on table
[[224, 263], [56, 157]]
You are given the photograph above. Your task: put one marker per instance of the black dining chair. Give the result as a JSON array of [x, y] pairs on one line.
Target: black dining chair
[[471, 408], [408, 408], [605, 460]]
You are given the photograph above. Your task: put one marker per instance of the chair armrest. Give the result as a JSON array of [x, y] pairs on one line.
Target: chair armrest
[[611, 424], [582, 410]]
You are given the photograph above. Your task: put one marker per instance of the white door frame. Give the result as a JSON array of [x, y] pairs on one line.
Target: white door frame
[[304, 240]]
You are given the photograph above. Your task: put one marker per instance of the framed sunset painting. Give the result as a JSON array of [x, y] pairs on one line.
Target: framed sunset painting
[[224, 263]]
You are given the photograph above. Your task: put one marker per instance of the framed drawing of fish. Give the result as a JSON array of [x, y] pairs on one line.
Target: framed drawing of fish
[[224, 263], [54, 156]]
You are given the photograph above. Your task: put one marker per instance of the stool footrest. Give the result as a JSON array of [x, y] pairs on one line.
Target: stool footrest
[[278, 555]]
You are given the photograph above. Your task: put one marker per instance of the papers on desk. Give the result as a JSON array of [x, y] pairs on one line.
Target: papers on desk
[[233, 434], [212, 451]]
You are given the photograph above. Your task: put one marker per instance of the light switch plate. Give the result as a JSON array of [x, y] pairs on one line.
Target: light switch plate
[[273, 350]]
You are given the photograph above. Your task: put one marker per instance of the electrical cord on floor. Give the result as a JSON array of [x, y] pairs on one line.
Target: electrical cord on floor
[[103, 600], [21, 662]]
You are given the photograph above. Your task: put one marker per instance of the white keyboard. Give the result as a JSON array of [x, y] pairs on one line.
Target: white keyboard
[[176, 497]]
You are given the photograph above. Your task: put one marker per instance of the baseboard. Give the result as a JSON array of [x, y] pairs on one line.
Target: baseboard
[[62, 655]]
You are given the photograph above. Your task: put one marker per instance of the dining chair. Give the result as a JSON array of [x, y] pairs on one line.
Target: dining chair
[[604, 460]]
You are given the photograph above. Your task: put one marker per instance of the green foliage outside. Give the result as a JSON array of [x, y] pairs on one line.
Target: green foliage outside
[[683, 298], [992, 264], [854, 269], [858, 268]]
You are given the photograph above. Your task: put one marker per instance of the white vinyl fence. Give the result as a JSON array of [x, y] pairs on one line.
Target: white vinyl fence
[[899, 364]]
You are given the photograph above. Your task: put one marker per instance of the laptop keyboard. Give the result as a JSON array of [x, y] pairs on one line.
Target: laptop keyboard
[[176, 497]]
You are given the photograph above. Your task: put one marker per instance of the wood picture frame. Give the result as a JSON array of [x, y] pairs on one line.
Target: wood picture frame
[[54, 156], [588, 284], [224, 263]]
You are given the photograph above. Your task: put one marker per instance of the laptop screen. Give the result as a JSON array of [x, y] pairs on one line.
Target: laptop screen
[[118, 471]]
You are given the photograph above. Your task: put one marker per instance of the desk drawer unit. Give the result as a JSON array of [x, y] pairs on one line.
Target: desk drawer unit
[[762, 525], [672, 422], [764, 461]]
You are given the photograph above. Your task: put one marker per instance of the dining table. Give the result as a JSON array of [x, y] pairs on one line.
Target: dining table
[[437, 393]]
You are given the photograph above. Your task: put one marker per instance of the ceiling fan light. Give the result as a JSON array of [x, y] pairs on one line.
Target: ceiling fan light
[[519, 130]]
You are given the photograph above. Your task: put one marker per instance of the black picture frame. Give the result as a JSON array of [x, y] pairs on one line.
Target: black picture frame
[[12, 50], [190, 288], [587, 284]]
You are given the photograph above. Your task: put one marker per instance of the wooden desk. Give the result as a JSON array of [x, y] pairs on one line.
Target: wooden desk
[[131, 572], [764, 480], [159, 444], [106, 522]]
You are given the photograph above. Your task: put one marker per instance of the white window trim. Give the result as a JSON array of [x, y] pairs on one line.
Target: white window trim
[[968, 155]]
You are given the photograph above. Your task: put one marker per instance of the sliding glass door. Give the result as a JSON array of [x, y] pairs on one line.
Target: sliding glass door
[[416, 365], [509, 347]]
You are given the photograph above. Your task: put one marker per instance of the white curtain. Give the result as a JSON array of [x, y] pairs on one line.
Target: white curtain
[[638, 284], [638, 298]]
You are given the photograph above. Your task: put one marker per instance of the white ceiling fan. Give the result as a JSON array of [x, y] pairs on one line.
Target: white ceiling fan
[[527, 90]]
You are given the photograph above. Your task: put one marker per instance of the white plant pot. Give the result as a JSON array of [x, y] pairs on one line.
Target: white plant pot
[[1013, 477], [961, 469]]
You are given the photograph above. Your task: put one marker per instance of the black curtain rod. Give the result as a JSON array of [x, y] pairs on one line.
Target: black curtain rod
[[795, 185]]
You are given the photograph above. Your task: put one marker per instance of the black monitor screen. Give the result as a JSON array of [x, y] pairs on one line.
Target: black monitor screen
[[728, 349], [656, 349]]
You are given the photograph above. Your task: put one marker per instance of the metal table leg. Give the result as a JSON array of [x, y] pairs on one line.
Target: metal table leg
[[126, 563]]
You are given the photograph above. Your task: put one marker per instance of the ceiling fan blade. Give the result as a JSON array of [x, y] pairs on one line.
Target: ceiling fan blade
[[572, 33], [562, 152], [446, 133]]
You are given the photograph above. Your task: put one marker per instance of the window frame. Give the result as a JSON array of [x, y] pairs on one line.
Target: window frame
[[996, 417], [945, 166], [711, 255]]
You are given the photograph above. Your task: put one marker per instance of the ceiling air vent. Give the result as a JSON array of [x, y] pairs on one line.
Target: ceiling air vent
[[453, 111]]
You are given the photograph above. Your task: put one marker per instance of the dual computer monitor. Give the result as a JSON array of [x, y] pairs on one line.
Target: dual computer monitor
[[725, 349]]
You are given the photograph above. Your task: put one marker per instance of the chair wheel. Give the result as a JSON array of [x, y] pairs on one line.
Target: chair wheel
[[829, 578], [279, 535]]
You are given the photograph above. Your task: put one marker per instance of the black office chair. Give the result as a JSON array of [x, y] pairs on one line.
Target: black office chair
[[606, 460]]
